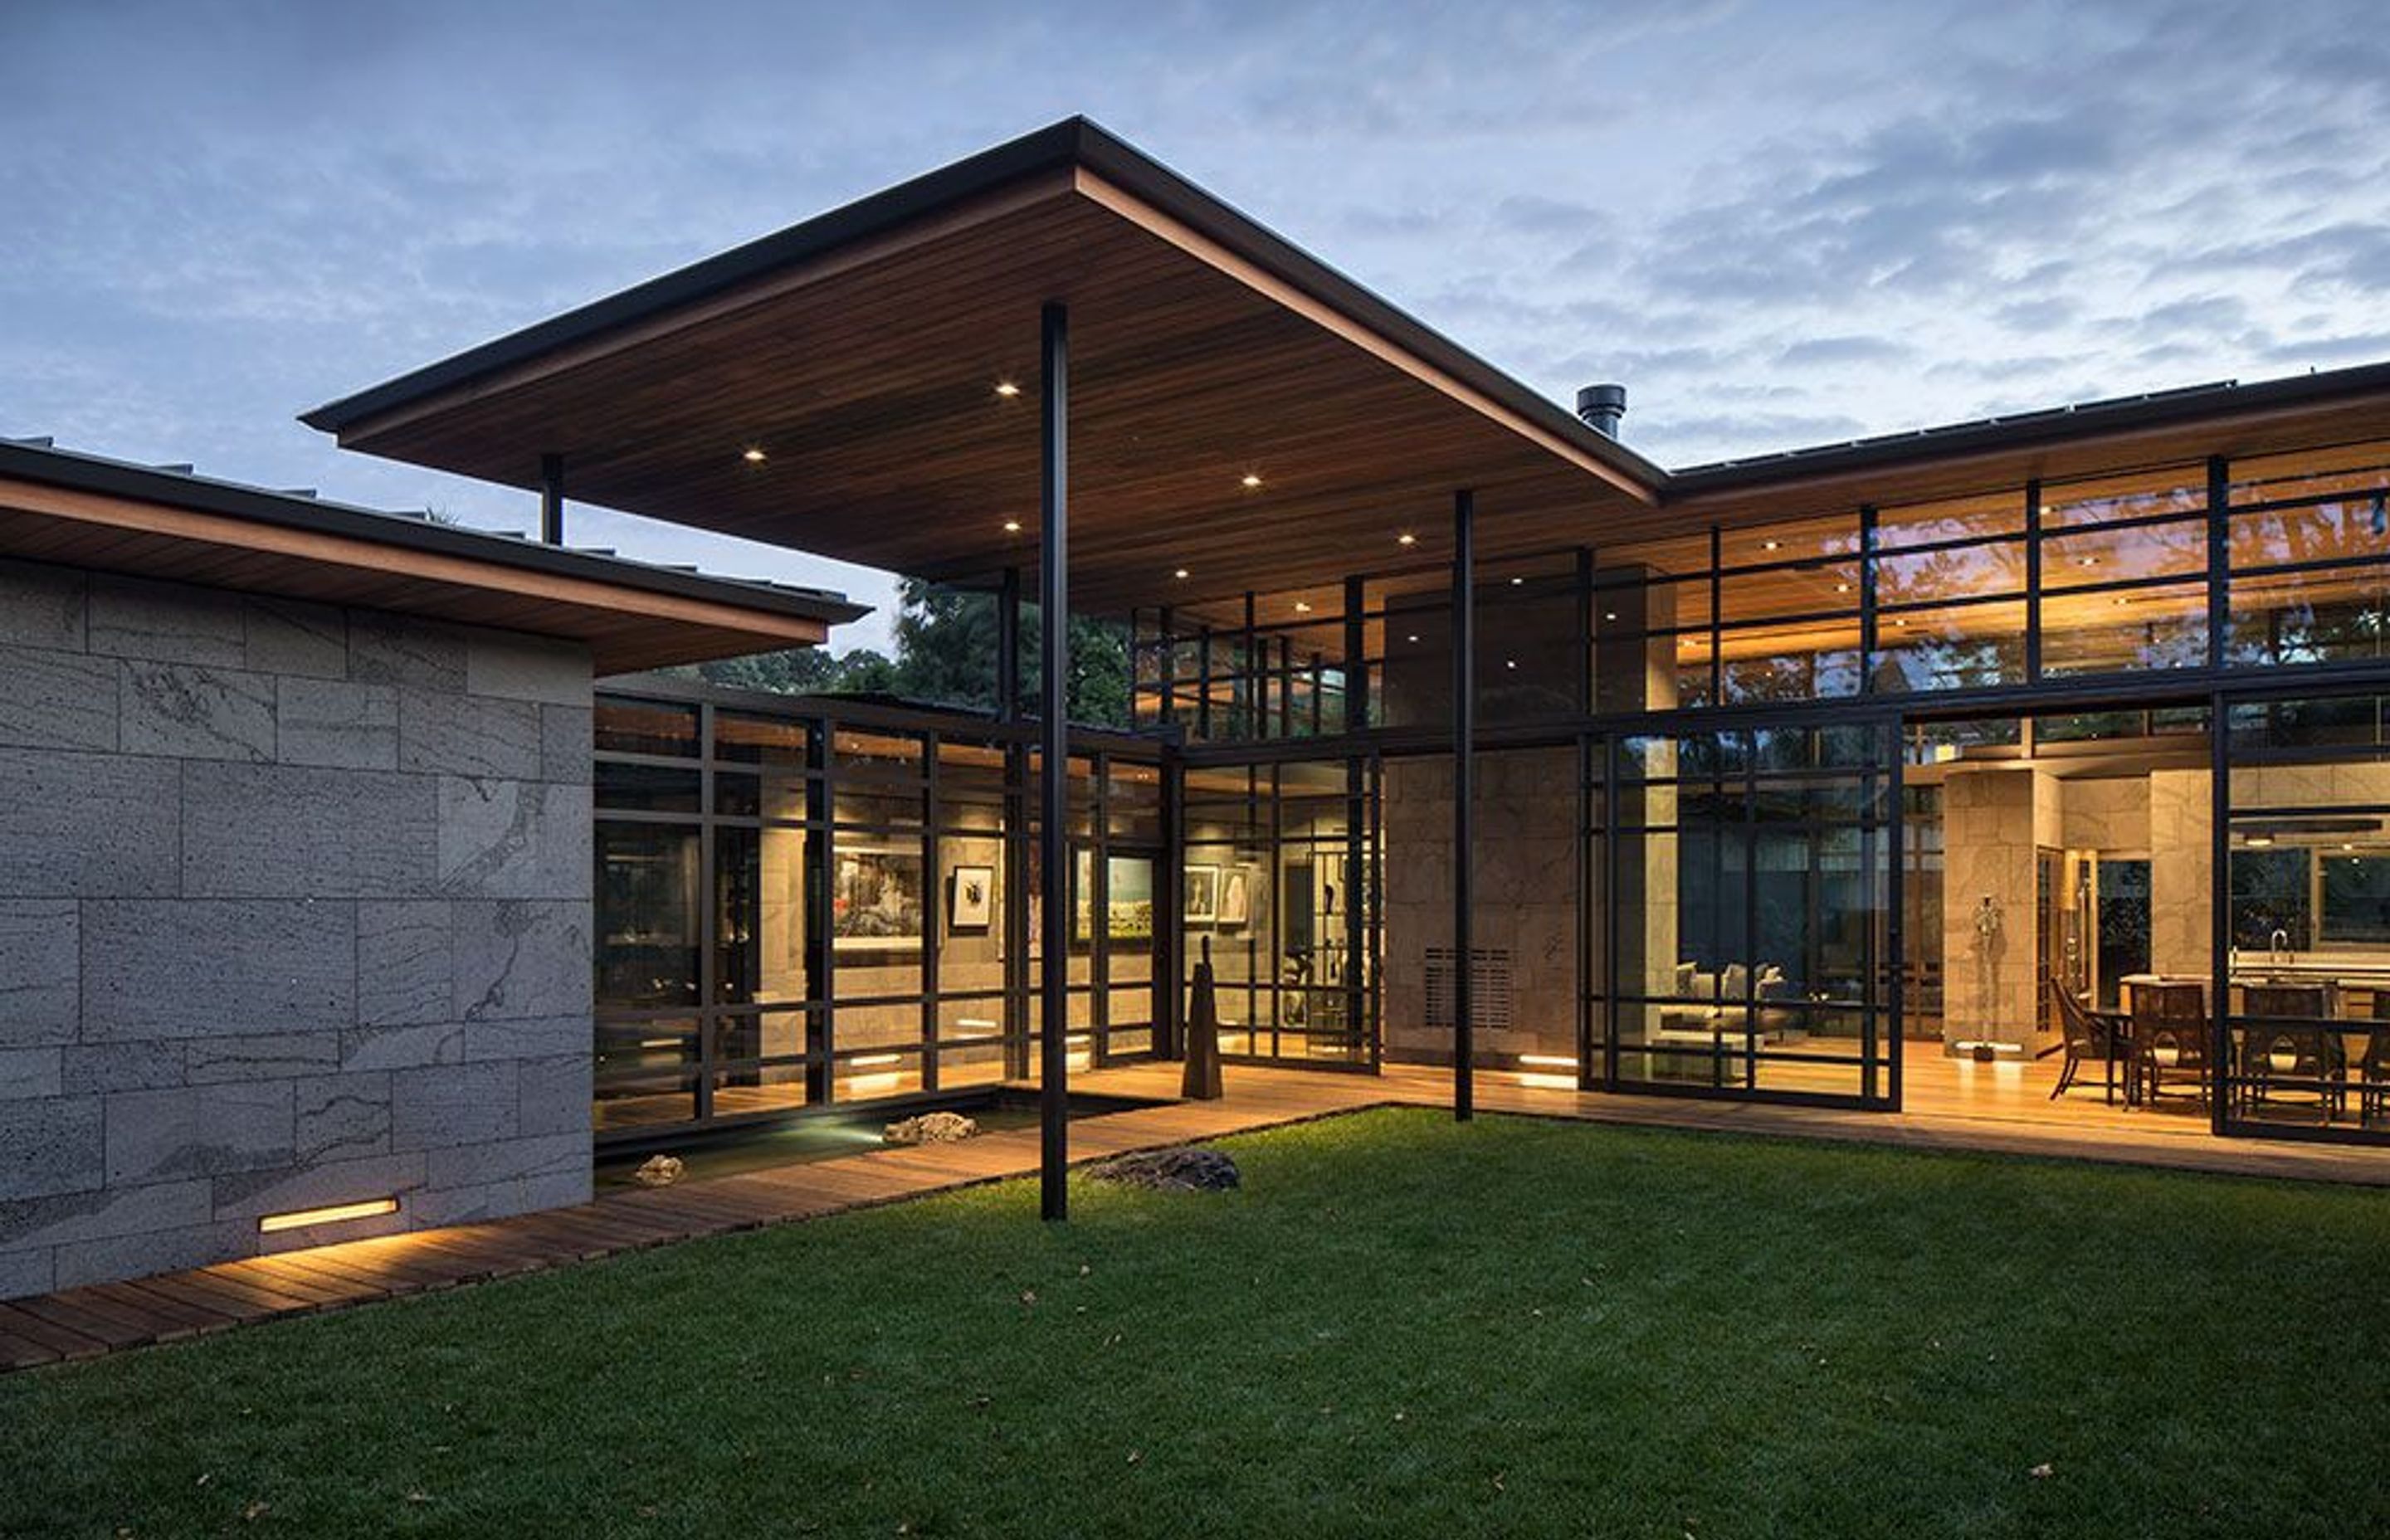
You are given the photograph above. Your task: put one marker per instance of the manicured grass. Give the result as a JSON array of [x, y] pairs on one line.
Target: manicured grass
[[1400, 1327]]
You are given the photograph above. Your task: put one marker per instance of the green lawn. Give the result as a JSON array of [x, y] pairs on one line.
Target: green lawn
[[1399, 1327]]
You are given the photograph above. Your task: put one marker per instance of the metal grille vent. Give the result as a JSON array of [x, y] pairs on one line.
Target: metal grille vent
[[1489, 982]]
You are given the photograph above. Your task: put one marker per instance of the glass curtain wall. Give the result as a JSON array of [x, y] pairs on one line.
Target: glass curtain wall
[[1280, 889], [1744, 915], [799, 911], [2306, 895]]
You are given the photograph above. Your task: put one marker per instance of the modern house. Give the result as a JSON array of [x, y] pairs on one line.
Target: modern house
[[2032, 755]]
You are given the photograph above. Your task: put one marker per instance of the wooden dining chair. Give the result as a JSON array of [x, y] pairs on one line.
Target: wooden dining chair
[[2373, 1069], [2092, 1038], [2170, 1033], [2281, 1052]]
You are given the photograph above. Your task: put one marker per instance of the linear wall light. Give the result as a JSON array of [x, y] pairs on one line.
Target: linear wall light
[[300, 1219]]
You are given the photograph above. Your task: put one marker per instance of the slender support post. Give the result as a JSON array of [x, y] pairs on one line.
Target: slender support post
[[1007, 647], [551, 499], [1054, 772], [1464, 792]]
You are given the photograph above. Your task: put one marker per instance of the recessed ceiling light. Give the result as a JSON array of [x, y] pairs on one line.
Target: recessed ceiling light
[[2087, 562], [1412, 639], [1407, 538], [1516, 582], [2118, 599], [1249, 480], [2348, 845], [1900, 622], [1771, 545], [1301, 606], [1012, 526], [1842, 588], [1510, 662], [1006, 388], [1610, 614], [752, 457], [1179, 572]]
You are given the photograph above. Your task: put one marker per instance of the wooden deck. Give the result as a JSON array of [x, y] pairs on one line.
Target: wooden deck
[[2009, 1113]]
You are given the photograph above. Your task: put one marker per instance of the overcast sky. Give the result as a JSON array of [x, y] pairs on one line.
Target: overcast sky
[[1778, 223]]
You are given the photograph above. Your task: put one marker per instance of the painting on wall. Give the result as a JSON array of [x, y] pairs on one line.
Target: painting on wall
[[875, 902], [1235, 897], [970, 898], [1202, 905]]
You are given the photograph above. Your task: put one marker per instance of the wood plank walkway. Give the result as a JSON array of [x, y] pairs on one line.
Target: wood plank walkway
[[86, 1322]]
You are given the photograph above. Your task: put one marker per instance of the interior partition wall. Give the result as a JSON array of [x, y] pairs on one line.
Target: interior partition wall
[[828, 903]]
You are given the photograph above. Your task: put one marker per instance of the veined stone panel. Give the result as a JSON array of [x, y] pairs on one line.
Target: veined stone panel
[[294, 912]]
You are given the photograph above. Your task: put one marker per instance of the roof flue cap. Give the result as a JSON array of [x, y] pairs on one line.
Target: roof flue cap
[[1600, 407]]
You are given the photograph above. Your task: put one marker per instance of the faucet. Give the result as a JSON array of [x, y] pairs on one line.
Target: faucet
[[2278, 946]]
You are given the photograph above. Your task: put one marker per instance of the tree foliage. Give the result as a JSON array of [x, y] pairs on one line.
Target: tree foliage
[[945, 655]]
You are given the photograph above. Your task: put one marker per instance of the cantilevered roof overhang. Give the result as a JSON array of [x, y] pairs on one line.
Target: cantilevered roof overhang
[[82, 510], [863, 355]]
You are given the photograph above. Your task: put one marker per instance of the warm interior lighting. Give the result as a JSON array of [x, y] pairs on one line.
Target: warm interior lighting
[[1516, 582], [1548, 1060], [2087, 562], [1610, 614], [874, 1060], [1412, 639], [1771, 545], [752, 455], [1012, 526], [1407, 538], [1179, 572], [1842, 588], [1006, 388], [2256, 841], [1510, 662], [300, 1219], [1302, 608], [1249, 480]]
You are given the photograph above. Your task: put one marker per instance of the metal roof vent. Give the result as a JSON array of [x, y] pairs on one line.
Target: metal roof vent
[[1600, 407]]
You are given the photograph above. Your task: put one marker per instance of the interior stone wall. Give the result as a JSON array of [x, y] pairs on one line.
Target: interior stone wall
[[1993, 818], [1526, 891], [294, 912]]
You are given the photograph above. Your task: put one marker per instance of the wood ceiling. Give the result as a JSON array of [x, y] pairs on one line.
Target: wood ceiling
[[861, 353]]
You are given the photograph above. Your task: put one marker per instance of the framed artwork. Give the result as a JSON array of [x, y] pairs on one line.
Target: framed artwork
[[1128, 897], [876, 900], [1202, 905], [1235, 897], [970, 898]]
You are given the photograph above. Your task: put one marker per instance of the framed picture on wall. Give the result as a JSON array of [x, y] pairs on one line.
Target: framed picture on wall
[[1235, 897], [1202, 905], [875, 904], [970, 898]]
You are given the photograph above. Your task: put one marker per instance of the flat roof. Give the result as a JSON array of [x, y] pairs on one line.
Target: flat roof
[[165, 521], [859, 352]]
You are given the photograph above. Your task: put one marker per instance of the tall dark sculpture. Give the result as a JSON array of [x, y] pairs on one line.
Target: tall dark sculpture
[[1202, 1080]]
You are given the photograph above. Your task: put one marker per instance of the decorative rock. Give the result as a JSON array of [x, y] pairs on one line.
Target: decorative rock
[[660, 1171], [931, 1128], [1187, 1168]]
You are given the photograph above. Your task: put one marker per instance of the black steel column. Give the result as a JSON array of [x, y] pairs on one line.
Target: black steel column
[[1054, 777], [1007, 647], [1464, 791], [551, 499]]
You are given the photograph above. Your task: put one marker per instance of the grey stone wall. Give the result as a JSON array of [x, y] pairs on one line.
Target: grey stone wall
[[294, 911]]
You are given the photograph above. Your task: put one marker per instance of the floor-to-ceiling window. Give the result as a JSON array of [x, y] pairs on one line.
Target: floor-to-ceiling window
[[800, 910], [1746, 912]]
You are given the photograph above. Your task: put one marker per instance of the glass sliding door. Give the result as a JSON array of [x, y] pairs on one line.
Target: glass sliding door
[[1746, 913], [2304, 1040]]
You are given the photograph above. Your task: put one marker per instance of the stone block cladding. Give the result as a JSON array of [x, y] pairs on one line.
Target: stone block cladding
[[294, 912]]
